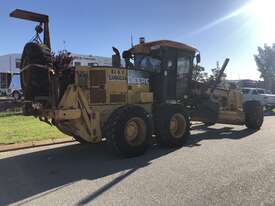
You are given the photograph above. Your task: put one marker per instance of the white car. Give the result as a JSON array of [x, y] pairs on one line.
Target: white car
[[258, 94], [14, 89]]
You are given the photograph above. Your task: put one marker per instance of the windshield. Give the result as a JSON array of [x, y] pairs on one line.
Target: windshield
[[245, 91], [261, 91], [147, 63]]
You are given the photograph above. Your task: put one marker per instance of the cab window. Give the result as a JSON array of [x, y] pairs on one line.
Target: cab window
[[147, 63], [260, 91], [254, 92], [245, 91], [183, 66]]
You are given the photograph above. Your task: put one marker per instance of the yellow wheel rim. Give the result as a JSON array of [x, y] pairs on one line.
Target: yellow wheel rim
[[177, 125], [135, 131]]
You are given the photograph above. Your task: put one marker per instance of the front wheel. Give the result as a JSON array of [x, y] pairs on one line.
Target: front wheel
[[172, 125], [129, 131], [254, 115]]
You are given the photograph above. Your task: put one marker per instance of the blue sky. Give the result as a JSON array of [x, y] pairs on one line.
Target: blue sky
[[93, 27]]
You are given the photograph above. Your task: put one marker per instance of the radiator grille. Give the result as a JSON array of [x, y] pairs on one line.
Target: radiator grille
[[97, 83], [117, 98], [97, 77], [98, 95]]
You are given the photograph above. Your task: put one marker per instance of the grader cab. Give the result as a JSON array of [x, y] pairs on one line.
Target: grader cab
[[152, 94]]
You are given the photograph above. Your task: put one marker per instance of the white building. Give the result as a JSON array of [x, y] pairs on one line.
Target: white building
[[10, 64], [90, 60]]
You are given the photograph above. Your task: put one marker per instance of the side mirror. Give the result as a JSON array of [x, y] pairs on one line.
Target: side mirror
[[198, 58]]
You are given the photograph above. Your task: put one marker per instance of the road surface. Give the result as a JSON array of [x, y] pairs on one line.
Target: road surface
[[221, 165]]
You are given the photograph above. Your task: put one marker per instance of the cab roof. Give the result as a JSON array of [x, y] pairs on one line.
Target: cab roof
[[145, 47]]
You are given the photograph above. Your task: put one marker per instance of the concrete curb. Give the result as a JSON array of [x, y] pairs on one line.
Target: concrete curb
[[12, 147]]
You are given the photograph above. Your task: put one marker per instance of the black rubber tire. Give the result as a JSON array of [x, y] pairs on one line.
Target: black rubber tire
[[114, 129], [163, 117], [254, 115], [34, 81], [80, 140]]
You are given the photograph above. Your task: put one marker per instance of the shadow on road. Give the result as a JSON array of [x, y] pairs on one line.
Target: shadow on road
[[30, 174], [210, 133]]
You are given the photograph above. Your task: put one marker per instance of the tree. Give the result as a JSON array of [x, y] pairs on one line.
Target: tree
[[199, 74], [265, 60], [216, 72]]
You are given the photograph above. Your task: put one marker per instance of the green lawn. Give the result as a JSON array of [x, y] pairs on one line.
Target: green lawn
[[18, 128]]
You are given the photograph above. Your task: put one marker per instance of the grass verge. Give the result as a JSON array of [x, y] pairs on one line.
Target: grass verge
[[16, 128]]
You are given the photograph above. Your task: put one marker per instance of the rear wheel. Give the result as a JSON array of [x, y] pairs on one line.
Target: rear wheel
[[81, 140], [129, 130], [254, 116], [172, 125]]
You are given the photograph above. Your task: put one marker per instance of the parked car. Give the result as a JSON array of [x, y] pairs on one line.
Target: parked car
[[15, 89], [259, 94]]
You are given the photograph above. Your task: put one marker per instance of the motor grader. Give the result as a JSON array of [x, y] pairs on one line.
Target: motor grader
[[152, 95]]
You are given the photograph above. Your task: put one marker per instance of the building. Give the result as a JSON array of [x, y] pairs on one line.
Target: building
[[247, 83], [10, 64], [90, 60]]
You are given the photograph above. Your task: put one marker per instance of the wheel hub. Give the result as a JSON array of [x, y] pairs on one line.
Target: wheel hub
[[177, 125], [135, 131], [132, 130]]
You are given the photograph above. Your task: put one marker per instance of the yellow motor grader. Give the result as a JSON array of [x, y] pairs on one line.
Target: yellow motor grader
[[152, 94]]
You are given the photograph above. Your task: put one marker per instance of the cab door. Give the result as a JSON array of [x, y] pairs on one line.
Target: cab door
[[183, 77], [171, 74], [178, 74]]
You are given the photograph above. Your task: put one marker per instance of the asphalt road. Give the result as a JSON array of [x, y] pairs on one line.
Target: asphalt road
[[221, 165]]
